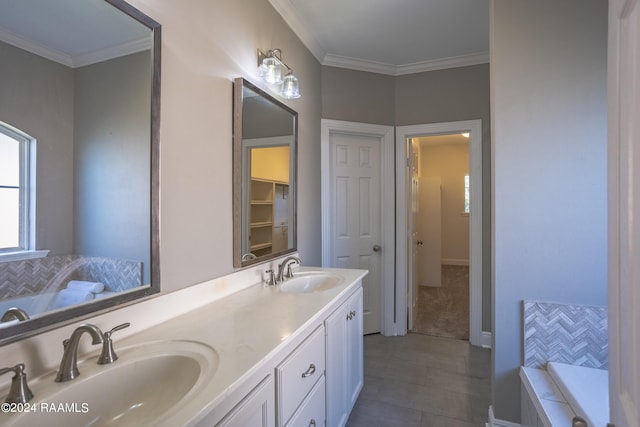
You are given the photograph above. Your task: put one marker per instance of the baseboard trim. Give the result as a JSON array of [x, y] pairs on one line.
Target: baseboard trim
[[485, 340], [452, 261], [493, 422]]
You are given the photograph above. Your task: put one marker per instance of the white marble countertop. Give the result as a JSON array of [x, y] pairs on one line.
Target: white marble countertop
[[245, 328]]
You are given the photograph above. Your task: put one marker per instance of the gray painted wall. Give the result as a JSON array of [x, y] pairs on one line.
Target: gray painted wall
[[358, 96], [37, 98], [431, 97], [111, 159], [549, 112]]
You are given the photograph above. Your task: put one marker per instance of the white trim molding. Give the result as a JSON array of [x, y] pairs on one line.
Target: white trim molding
[[385, 133], [493, 422], [403, 69], [474, 127]]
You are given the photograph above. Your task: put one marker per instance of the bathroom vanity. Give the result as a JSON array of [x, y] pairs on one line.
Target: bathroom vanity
[[264, 355]]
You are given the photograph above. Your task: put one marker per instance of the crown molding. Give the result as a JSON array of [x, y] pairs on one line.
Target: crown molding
[[134, 46], [35, 48], [398, 70], [292, 19], [359, 64], [290, 16]]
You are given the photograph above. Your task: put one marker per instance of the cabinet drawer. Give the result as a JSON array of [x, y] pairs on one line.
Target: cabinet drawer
[[311, 412], [298, 373]]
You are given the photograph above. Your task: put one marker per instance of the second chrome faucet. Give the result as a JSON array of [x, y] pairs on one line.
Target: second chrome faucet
[[284, 271]]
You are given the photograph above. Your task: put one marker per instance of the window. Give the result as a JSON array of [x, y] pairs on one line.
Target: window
[[16, 189], [466, 194]]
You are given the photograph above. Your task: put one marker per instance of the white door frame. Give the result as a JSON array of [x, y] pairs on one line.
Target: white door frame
[[623, 211], [474, 127], [385, 133]]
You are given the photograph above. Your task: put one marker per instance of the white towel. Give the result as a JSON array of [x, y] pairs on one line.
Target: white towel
[[105, 294], [67, 297], [81, 285]]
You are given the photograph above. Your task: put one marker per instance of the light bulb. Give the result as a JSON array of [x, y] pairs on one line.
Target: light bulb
[[290, 88]]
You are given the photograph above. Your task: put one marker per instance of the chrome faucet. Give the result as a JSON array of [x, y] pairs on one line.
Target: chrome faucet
[[286, 265], [19, 391], [69, 364], [14, 313]]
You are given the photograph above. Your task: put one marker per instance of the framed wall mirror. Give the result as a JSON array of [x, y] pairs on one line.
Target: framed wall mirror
[[79, 153], [265, 136]]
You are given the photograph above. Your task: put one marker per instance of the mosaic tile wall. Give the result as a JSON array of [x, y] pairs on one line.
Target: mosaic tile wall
[[23, 278], [573, 334]]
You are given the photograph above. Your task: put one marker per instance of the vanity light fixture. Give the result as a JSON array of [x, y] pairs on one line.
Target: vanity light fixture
[[270, 65]]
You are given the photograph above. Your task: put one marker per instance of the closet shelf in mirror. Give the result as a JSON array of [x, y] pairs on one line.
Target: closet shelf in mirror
[[261, 224]]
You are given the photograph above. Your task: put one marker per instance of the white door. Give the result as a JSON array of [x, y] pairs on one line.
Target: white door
[[624, 212], [355, 190], [430, 226], [414, 242], [357, 212]]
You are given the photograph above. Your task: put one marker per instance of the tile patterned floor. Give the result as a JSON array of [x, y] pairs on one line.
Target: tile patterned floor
[[423, 381]]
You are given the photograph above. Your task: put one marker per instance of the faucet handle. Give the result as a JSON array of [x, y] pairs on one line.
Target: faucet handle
[[271, 281], [19, 391], [108, 355]]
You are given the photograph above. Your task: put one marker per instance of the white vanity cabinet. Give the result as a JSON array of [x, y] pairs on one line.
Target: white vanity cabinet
[[312, 380], [345, 373], [300, 383], [256, 409]]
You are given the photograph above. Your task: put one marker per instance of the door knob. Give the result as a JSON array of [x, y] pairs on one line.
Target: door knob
[[420, 243], [376, 248]]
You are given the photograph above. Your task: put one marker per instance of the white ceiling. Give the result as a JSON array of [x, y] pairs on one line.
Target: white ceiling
[[391, 36], [71, 32]]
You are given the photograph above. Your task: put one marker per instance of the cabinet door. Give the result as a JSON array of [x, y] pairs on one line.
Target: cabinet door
[[344, 369], [255, 410]]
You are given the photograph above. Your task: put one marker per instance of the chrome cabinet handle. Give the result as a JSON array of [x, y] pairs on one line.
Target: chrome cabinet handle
[[310, 371], [377, 248], [312, 423], [353, 313]]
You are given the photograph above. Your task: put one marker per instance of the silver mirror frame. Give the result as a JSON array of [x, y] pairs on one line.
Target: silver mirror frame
[[238, 89], [54, 320]]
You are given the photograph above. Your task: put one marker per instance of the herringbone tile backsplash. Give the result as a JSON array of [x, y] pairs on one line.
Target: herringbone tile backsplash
[[572, 334], [23, 278]]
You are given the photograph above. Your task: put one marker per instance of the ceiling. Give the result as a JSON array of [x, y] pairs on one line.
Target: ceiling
[[71, 32], [391, 36]]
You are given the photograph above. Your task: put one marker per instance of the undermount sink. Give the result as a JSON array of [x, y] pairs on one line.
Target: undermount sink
[[311, 281], [148, 383]]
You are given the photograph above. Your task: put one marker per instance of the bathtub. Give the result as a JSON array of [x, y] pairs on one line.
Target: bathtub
[[551, 397], [34, 305], [586, 390]]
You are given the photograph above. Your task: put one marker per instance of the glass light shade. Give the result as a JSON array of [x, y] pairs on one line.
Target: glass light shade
[[290, 88], [271, 71]]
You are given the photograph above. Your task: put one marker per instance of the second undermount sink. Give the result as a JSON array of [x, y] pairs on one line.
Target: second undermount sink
[[311, 281], [147, 384]]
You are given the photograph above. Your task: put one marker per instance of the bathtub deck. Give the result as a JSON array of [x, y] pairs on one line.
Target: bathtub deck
[[551, 407], [586, 390]]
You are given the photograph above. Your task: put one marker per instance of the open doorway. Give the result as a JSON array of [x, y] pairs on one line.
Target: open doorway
[[406, 237], [440, 223]]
